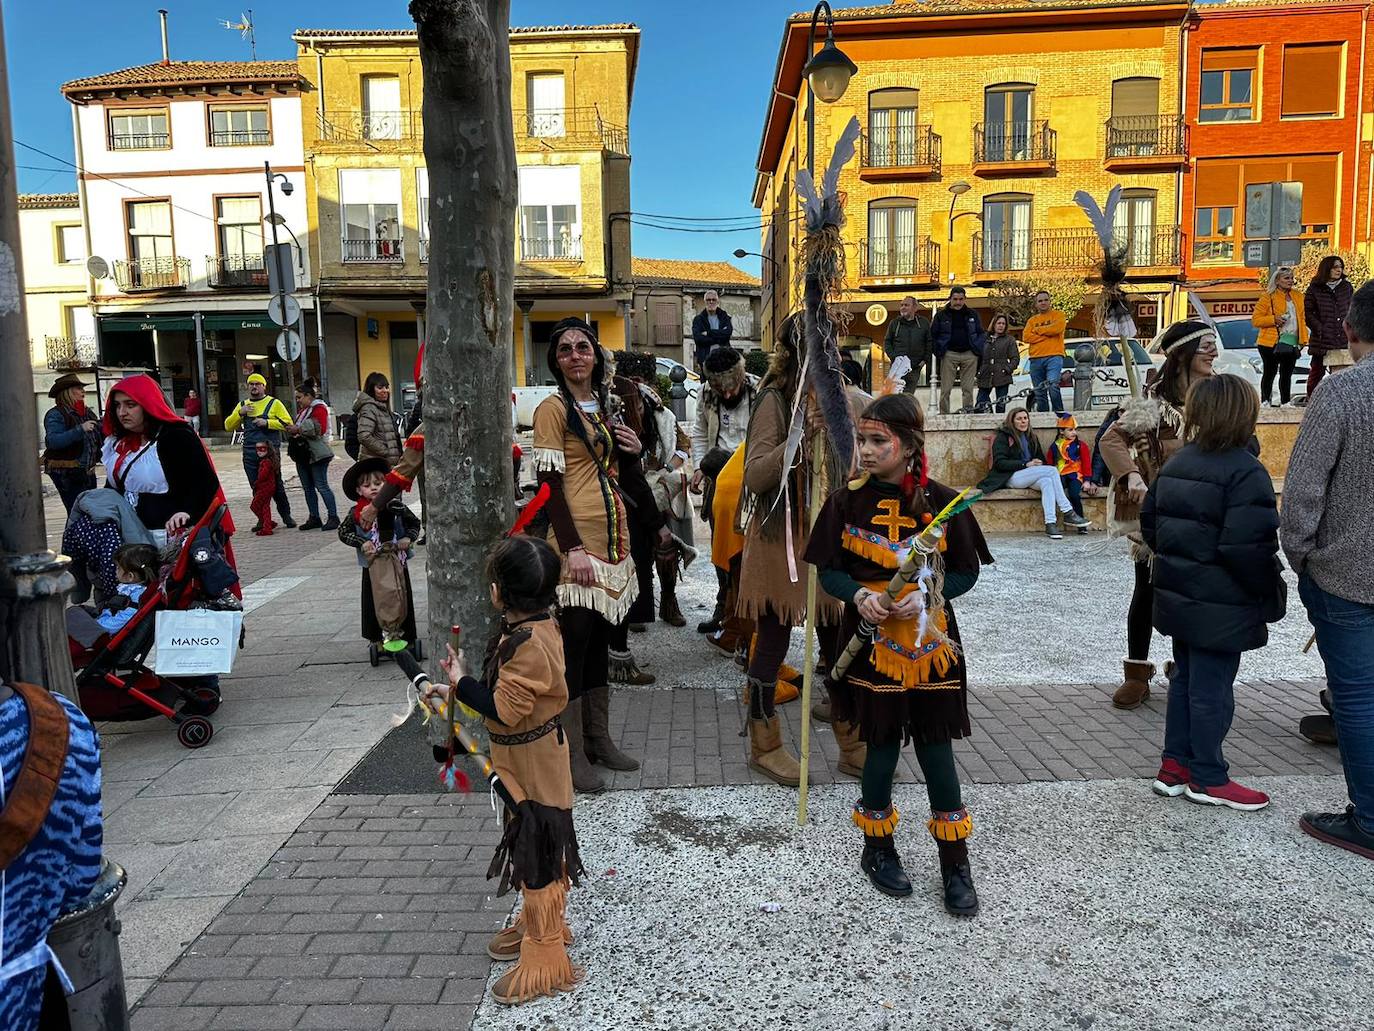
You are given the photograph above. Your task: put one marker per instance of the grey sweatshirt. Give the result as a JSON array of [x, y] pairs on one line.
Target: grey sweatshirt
[[1328, 494]]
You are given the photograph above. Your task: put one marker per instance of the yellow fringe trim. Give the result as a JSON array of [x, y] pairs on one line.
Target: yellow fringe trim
[[876, 828], [943, 829], [876, 553]]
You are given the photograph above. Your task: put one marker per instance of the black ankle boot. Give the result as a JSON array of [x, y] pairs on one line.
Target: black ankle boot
[[961, 899], [884, 867]]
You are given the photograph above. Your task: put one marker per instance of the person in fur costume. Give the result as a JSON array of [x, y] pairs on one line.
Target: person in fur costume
[[1147, 434], [910, 684]]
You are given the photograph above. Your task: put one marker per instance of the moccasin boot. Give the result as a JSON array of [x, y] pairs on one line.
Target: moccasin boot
[[1135, 687], [768, 756], [544, 967], [621, 668], [596, 713], [853, 752], [668, 609], [585, 779]]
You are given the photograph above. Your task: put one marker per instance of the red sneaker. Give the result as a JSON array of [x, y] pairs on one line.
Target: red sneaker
[[1230, 794], [1171, 780]]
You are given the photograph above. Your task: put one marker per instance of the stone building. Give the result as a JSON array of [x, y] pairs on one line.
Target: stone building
[[668, 294]]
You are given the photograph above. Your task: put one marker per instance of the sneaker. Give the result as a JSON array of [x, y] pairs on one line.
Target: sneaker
[[1052, 532], [1231, 795], [313, 523], [1171, 780], [1339, 829], [1083, 531], [1072, 518], [1266, 404]]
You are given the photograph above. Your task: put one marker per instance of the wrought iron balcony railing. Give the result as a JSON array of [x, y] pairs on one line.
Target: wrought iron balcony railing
[[573, 128], [902, 146], [902, 257], [139, 141], [387, 251], [240, 138], [551, 248], [357, 126], [68, 353], [238, 271], [1148, 246], [1015, 143], [152, 274], [1146, 136]]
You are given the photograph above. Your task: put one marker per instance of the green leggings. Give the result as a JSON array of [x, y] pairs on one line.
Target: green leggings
[[937, 765]]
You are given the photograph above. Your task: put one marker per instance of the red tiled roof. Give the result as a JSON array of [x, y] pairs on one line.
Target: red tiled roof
[[190, 73], [49, 200], [515, 30], [711, 273]]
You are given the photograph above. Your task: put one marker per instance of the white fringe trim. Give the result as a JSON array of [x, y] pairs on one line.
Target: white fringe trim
[[612, 593], [549, 460]]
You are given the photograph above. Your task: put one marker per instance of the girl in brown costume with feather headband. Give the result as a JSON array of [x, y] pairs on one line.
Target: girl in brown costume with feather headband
[[910, 684]]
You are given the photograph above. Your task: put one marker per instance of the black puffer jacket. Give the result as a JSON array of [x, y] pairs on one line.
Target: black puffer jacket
[[1213, 525]]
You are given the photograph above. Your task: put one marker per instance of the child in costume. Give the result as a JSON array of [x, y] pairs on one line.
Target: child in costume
[[522, 694], [136, 567], [383, 551], [1074, 461], [910, 683], [264, 487]]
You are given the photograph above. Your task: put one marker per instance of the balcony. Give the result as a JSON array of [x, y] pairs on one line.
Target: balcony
[[1146, 142], [903, 260], [1014, 148], [376, 251], [573, 128], [240, 138], [66, 354], [236, 272], [357, 126], [152, 274], [906, 152], [424, 250], [1148, 250], [140, 141], [551, 248]]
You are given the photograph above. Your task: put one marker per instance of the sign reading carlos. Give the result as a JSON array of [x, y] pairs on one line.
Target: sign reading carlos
[[197, 642]]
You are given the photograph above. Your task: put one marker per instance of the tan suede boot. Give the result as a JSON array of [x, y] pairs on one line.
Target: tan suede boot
[[853, 752], [767, 755], [1135, 687], [544, 967]]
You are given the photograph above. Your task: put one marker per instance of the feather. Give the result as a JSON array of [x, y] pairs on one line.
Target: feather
[[896, 375], [844, 150], [811, 202], [1203, 315], [825, 381], [1100, 219], [530, 510]]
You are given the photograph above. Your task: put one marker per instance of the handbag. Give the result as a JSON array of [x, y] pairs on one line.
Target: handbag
[[298, 450], [1287, 343], [197, 642]]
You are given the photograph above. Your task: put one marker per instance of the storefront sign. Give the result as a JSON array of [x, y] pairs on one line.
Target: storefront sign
[[1146, 309], [876, 314], [1230, 307]]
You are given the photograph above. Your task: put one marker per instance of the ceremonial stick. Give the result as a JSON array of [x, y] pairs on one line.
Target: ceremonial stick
[[924, 545], [809, 656]]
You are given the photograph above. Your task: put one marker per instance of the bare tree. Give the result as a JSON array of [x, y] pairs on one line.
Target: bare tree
[[470, 152]]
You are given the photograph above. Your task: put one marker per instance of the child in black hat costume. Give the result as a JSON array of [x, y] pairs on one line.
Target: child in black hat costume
[[388, 604]]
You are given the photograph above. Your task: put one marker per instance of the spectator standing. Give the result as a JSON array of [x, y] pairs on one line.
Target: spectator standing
[[909, 335], [192, 408], [309, 449], [1325, 305], [1211, 521], [1044, 337], [1001, 355], [263, 419], [711, 328], [1074, 460], [1282, 328], [71, 440], [1328, 536], [957, 338], [1018, 461], [378, 436]]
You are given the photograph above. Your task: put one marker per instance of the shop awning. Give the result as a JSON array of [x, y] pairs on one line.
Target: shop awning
[[217, 320]]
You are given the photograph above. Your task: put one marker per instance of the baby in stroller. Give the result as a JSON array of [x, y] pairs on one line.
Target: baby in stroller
[[137, 567]]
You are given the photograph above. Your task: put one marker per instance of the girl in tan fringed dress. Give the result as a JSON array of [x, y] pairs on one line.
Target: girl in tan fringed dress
[[522, 693]]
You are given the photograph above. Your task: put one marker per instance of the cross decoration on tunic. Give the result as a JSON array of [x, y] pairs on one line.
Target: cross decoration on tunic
[[893, 521]]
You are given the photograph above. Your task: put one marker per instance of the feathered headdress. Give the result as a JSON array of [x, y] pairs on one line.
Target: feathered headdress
[[1113, 312]]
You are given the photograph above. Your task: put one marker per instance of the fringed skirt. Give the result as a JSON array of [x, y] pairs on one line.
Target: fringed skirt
[[539, 846]]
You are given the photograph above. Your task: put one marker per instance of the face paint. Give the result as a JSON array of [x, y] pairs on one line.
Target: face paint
[[881, 452]]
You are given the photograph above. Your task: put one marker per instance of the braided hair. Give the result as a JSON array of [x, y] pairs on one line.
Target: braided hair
[[525, 571], [901, 413]]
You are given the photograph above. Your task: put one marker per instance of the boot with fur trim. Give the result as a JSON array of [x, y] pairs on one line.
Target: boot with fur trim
[[1135, 687]]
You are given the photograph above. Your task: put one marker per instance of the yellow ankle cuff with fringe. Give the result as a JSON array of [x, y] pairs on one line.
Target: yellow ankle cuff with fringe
[[876, 823], [955, 826]]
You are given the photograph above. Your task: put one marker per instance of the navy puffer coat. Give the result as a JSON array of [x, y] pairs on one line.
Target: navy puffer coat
[[1213, 525]]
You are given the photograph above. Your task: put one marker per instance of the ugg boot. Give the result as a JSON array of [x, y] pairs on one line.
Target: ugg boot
[[596, 711], [621, 668], [585, 779], [668, 611], [1135, 687], [544, 967], [950, 831], [766, 753], [853, 752]]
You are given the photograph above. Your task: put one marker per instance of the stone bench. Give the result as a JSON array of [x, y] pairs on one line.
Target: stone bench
[[1019, 511]]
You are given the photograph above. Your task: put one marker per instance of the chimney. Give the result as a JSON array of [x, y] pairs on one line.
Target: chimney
[[162, 14]]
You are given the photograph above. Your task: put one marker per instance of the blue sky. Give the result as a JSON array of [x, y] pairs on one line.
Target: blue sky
[[704, 74]]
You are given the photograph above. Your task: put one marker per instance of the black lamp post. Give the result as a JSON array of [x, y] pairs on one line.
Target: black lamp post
[[827, 76]]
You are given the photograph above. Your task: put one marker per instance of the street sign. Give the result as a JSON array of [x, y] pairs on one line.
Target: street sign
[[290, 316], [288, 267], [289, 345]]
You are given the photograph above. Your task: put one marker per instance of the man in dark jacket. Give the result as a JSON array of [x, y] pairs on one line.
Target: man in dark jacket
[[958, 338], [71, 440], [711, 328], [909, 334]]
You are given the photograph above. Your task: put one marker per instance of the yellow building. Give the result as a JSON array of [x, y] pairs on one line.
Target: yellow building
[[981, 119], [369, 188]]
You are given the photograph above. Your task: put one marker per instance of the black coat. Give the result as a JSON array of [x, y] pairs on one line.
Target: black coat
[[1006, 458], [1213, 525], [708, 339], [1324, 311]]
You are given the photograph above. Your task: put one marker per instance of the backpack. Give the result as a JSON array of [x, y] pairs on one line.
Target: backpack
[[351, 438]]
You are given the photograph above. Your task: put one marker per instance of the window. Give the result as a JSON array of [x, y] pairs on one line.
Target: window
[[71, 244], [1134, 226], [422, 203], [1228, 86], [1007, 113], [382, 115], [892, 127], [239, 126], [1312, 80], [892, 237], [550, 212], [1134, 128], [238, 231], [371, 202], [545, 105], [1214, 235], [1006, 233], [152, 259], [139, 130]]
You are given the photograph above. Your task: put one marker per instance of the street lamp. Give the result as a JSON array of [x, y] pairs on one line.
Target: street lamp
[[957, 190], [740, 252], [827, 76]]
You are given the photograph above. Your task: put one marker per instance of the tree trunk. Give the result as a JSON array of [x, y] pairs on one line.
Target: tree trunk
[[470, 152]]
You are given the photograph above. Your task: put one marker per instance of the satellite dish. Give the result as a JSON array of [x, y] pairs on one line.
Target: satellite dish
[[98, 267]]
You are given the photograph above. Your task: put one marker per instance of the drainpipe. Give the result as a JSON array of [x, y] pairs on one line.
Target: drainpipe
[[1359, 133], [166, 54]]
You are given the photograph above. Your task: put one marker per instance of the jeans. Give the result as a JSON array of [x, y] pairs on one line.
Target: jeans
[[70, 483], [1044, 374], [1316, 369], [194, 420], [1073, 490], [961, 366], [985, 397], [314, 478], [250, 468], [1202, 703], [1272, 362], [1345, 637], [1045, 479]]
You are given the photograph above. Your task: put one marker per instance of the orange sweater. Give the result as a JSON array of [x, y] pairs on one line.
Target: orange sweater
[[1044, 334]]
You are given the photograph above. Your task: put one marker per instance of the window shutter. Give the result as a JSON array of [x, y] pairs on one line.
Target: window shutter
[[1135, 97], [1312, 79], [1216, 184], [1222, 60], [1318, 180]]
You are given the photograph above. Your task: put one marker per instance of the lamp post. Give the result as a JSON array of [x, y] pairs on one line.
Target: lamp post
[[740, 252], [274, 220], [956, 190]]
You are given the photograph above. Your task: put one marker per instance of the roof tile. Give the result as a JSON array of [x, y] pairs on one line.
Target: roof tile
[[186, 73], [667, 270]]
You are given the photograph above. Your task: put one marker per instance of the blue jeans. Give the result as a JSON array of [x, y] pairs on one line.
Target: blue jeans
[[1202, 703], [1345, 637], [1073, 490], [315, 479], [250, 468], [1044, 373]]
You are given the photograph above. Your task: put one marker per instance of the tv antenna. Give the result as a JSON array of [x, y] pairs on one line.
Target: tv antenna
[[244, 27]]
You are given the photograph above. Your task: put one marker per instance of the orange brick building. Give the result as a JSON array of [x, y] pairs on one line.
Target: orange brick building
[[1275, 90]]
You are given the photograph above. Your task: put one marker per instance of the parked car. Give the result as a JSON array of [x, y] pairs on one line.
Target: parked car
[[527, 399], [1110, 386], [1239, 355]]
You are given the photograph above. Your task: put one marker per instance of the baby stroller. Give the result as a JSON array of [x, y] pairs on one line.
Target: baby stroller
[[112, 676]]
